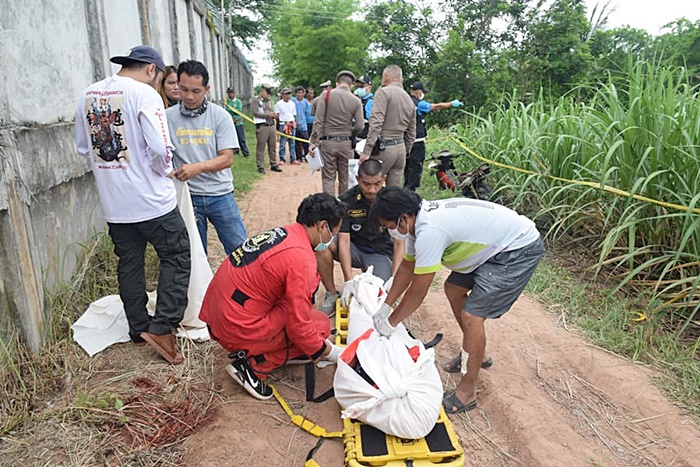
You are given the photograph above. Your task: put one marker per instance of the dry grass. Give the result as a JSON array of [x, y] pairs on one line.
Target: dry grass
[[124, 406]]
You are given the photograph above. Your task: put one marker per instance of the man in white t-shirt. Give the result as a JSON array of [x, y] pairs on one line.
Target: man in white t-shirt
[[204, 137], [120, 127], [286, 112], [492, 252]]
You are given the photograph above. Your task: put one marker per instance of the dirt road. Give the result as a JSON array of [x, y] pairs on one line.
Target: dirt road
[[551, 399]]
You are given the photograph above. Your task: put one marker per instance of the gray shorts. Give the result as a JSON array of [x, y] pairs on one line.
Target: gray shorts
[[497, 284], [363, 260]]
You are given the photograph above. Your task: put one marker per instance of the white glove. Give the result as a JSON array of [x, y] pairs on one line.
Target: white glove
[[381, 320], [349, 289], [335, 352]]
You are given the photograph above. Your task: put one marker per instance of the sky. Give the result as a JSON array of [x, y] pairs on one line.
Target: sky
[[650, 15]]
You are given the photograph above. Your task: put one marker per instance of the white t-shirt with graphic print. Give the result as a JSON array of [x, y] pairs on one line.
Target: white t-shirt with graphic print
[[120, 127], [462, 234]]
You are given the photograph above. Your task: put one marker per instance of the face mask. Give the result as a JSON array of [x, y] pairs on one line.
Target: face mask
[[395, 234], [360, 92], [421, 97], [324, 246]]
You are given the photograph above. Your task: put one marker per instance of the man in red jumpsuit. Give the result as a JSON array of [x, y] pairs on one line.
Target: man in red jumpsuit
[[258, 305]]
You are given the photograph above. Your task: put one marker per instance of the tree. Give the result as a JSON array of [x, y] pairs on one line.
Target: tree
[[245, 20], [314, 39], [401, 34], [556, 53]]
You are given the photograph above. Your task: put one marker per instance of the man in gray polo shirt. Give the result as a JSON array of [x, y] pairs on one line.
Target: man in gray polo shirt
[[204, 138]]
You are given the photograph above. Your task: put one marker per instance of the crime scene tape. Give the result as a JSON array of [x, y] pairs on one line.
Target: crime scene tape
[[237, 112], [607, 188]]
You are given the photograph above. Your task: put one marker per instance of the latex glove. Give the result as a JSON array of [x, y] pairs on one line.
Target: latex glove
[[387, 285], [349, 290], [457, 103], [335, 352], [381, 321]]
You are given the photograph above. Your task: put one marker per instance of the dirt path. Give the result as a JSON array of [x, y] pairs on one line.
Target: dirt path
[[551, 399]]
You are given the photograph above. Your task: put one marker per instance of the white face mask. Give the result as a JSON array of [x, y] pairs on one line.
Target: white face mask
[[395, 234]]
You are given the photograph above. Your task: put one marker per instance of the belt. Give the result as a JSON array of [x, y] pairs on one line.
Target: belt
[[336, 138], [393, 142]]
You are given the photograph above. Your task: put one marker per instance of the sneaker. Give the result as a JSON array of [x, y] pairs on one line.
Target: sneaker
[[242, 372], [328, 305], [276, 168], [261, 170]]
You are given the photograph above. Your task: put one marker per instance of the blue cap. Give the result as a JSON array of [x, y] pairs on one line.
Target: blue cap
[[141, 53]]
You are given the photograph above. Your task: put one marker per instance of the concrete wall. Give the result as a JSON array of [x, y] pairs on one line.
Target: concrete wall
[[51, 50]]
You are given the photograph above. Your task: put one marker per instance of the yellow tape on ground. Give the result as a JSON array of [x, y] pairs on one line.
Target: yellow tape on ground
[[304, 423], [237, 112], [609, 189]]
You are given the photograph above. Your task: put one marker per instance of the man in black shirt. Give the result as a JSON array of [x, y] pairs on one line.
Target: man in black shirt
[[360, 244]]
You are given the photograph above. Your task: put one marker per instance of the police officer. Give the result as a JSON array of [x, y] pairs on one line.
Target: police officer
[[364, 92], [338, 119], [392, 126], [414, 163], [264, 117]]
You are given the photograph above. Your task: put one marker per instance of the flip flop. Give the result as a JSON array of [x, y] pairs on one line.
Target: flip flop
[[453, 405], [454, 365]]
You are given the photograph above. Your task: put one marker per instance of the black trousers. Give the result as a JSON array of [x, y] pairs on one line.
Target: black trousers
[[414, 166], [240, 132], [169, 237], [302, 148]]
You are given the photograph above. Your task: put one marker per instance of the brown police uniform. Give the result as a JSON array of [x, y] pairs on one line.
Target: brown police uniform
[[333, 128], [264, 131], [393, 120]]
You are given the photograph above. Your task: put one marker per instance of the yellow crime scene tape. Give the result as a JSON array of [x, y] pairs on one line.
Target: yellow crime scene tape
[[237, 112], [607, 188]]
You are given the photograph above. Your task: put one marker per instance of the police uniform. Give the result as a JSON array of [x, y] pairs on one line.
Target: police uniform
[[368, 246], [338, 117], [265, 133], [393, 121]]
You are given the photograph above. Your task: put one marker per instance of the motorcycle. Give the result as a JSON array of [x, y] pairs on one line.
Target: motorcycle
[[471, 184]]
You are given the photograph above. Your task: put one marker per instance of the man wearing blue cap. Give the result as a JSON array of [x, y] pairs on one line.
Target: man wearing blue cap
[[120, 128]]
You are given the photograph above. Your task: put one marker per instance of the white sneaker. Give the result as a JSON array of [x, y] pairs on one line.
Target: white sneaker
[[242, 373], [328, 305]]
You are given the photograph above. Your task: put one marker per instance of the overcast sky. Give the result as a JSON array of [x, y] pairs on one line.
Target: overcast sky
[[641, 14]]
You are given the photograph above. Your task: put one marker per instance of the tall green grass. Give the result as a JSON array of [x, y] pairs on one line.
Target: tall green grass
[[640, 134]]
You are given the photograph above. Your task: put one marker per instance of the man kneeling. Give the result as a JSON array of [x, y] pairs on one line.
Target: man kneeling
[[361, 243], [258, 305]]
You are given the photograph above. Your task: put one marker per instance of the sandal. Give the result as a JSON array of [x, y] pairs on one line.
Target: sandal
[[453, 405], [454, 365]]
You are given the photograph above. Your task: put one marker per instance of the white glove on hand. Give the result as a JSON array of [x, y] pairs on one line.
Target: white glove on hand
[[349, 290], [381, 320], [335, 352]]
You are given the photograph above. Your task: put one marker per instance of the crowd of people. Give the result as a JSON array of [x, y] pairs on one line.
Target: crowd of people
[[261, 304]]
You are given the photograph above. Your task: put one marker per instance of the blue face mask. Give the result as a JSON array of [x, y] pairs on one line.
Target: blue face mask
[[324, 246], [360, 92]]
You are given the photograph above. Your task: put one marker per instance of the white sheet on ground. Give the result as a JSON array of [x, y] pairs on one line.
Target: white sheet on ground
[[406, 396], [104, 322]]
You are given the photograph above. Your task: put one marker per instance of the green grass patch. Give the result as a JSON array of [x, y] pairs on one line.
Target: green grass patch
[[245, 169]]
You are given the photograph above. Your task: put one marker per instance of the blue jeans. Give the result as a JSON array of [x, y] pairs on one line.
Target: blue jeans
[[222, 211], [283, 141]]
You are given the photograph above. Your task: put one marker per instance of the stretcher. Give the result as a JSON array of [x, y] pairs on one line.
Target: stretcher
[[366, 446]]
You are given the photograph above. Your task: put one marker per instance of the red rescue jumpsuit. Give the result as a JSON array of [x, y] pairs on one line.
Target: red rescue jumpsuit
[[259, 300]]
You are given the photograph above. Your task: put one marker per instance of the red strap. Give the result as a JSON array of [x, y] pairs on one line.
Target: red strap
[[328, 93]]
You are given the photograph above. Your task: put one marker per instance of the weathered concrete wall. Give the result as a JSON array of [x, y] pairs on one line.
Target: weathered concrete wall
[[50, 51]]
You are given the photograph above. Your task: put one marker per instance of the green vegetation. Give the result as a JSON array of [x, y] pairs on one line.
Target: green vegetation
[[245, 169], [636, 134]]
